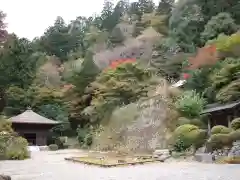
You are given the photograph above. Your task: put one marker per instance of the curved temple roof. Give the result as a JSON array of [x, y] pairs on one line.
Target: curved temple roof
[[30, 117]]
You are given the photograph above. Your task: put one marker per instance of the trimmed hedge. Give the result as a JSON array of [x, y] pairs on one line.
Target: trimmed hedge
[[219, 141], [235, 124], [220, 130], [188, 135]]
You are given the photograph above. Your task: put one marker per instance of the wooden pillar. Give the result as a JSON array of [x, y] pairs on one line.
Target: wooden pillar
[[209, 127], [229, 121]]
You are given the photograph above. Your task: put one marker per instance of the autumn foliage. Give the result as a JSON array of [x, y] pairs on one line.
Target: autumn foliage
[[116, 63], [205, 56], [186, 76]]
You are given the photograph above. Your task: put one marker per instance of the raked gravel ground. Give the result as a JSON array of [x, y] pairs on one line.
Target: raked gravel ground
[[52, 166]]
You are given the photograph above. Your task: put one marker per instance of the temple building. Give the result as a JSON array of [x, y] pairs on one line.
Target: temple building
[[33, 127]]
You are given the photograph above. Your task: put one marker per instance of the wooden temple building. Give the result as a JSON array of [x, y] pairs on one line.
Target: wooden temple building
[[33, 127], [222, 114]]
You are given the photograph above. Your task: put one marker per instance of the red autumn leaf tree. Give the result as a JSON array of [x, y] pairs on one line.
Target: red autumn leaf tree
[[116, 63], [205, 56]]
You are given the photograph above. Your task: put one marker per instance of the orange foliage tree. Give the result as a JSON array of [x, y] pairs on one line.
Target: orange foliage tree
[[116, 63], [205, 56]]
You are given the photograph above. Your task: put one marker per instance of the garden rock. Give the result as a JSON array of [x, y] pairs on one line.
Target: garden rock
[[160, 152], [201, 150], [164, 157], [203, 157], [218, 154], [4, 177], [235, 150], [43, 148]]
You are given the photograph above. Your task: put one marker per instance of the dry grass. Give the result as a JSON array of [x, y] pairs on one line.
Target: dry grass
[[111, 159]]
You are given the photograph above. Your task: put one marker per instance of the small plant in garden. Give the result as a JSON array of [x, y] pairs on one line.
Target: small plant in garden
[[84, 136], [179, 145], [187, 136]]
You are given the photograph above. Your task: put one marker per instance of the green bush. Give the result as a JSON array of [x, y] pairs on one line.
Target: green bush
[[5, 126], [53, 147], [17, 149], [219, 141], [61, 142], [196, 122], [182, 121], [190, 104], [84, 137], [235, 124], [4, 138], [219, 129], [88, 139], [11, 145], [235, 135], [188, 135]]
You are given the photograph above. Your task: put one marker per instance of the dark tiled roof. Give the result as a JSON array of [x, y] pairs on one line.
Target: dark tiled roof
[[218, 107], [30, 117]]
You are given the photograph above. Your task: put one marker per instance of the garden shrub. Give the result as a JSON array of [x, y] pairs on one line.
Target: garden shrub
[[235, 124], [196, 122], [53, 147], [190, 104], [218, 141], [188, 135], [12, 146], [183, 120], [17, 149], [61, 142], [235, 135], [219, 129], [84, 137], [88, 139]]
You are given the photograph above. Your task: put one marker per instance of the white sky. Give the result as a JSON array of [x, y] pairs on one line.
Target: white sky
[[30, 18]]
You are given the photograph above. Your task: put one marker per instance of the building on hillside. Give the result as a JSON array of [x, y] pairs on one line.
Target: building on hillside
[[222, 114], [33, 127], [139, 48], [218, 114]]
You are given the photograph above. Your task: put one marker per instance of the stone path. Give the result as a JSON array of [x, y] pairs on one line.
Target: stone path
[[52, 166]]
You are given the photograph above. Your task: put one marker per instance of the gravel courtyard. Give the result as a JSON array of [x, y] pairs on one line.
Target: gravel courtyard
[[52, 166]]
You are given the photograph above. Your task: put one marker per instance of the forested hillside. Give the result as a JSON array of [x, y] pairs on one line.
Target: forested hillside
[[79, 73]]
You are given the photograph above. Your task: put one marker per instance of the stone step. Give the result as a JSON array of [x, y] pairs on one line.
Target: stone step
[[161, 152]]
